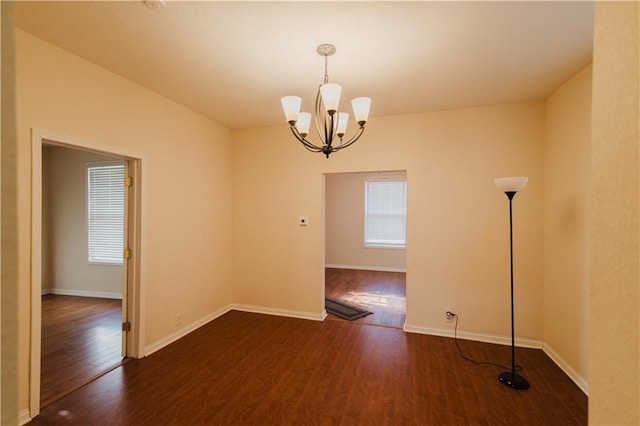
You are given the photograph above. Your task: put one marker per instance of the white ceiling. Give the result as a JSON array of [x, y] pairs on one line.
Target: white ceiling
[[233, 60]]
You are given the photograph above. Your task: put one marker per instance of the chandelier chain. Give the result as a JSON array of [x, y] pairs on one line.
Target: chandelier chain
[[326, 72]]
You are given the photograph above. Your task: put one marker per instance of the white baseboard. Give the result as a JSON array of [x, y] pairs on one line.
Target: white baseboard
[[366, 268], [148, 350], [478, 337], [165, 341], [23, 417], [82, 293], [281, 312], [578, 379]]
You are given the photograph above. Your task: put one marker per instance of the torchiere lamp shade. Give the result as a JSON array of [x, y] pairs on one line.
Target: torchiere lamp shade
[[511, 184]]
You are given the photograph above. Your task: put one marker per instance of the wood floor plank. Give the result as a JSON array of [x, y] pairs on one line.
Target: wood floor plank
[[248, 369], [383, 293], [81, 338]]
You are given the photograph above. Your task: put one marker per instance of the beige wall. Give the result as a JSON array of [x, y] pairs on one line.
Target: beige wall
[[8, 222], [344, 232], [614, 297], [566, 223], [457, 221], [64, 230], [188, 179]]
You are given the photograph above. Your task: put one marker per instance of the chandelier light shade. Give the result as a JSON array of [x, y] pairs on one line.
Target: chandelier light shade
[[331, 123], [510, 186]]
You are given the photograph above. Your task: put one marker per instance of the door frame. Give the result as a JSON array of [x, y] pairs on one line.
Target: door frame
[[136, 236]]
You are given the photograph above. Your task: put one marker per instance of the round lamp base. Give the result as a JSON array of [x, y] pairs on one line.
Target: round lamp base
[[513, 380]]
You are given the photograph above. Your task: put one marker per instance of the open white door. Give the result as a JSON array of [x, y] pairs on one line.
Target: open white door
[[127, 254]]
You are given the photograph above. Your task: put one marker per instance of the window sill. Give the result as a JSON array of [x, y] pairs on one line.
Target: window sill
[[384, 246], [104, 263]]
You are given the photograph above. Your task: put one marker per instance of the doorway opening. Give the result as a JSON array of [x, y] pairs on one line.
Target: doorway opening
[[82, 292], [86, 287], [363, 268]]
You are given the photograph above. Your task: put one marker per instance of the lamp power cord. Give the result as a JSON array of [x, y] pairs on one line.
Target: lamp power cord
[[466, 358]]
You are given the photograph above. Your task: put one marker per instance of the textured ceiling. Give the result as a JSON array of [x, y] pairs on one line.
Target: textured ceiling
[[233, 61]]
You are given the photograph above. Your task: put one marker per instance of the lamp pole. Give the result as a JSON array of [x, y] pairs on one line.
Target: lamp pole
[[511, 378]]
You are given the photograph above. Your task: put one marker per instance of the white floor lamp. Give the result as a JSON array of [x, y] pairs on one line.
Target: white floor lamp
[[511, 185]]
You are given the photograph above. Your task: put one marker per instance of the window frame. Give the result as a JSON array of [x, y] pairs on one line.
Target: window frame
[[116, 259], [381, 245]]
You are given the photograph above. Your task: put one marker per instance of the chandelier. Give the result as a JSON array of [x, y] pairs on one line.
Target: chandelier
[[331, 124]]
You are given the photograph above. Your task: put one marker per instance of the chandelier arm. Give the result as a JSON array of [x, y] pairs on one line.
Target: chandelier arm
[[327, 138], [328, 129], [315, 149], [303, 141], [352, 140], [334, 125], [320, 112]]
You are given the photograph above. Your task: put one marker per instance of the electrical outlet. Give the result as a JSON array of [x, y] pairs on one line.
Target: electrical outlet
[[449, 315], [178, 319]]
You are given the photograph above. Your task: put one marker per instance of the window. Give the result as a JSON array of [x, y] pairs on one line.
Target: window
[[385, 212], [105, 212]]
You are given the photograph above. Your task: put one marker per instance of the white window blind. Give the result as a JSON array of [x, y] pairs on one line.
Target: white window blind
[[385, 212], [105, 212]]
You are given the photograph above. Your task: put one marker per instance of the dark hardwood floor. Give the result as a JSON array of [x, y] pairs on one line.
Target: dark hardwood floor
[[383, 293], [81, 339], [252, 369]]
